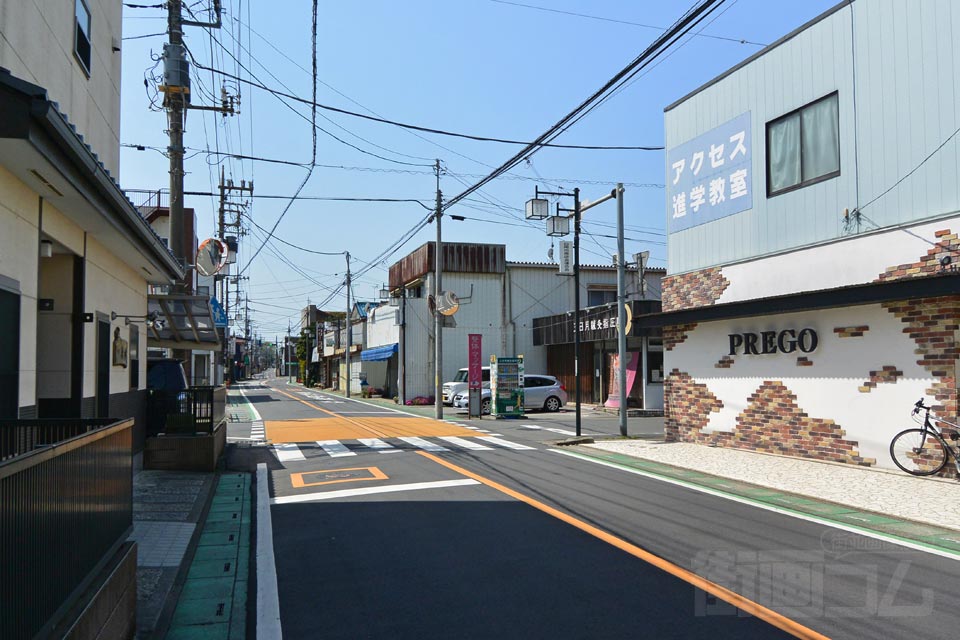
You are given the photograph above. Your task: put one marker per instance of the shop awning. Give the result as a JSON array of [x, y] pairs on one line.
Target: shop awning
[[379, 353], [187, 323]]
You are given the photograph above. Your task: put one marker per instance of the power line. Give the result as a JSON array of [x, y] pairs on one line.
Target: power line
[[626, 22], [313, 131], [413, 127], [686, 23], [323, 198], [506, 176]]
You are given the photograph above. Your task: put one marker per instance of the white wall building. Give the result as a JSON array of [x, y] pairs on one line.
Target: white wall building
[[823, 171]]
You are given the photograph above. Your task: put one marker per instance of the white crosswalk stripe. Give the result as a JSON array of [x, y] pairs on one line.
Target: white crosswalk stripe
[[504, 443], [379, 445], [465, 443], [292, 451], [335, 448], [561, 431], [288, 452], [426, 445]]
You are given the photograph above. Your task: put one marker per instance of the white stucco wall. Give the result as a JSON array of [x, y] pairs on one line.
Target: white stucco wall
[[19, 240], [829, 388]]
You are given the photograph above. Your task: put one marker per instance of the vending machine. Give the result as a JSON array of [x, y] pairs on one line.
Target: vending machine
[[506, 387]]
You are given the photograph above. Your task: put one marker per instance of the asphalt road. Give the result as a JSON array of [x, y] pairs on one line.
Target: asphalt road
[[499, 535]]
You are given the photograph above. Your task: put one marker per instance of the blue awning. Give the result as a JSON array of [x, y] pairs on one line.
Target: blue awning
[[379, 353]]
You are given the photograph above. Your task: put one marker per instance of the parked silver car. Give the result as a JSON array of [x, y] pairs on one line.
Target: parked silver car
[[539, 392], [459, 384]]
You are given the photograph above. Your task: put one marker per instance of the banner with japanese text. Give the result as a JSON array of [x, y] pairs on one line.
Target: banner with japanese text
[[710, 177]]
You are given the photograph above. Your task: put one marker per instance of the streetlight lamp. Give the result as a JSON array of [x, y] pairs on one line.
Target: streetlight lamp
[[559, 225]]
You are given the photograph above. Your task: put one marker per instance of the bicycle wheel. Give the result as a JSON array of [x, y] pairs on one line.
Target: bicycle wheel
[[918, 452]]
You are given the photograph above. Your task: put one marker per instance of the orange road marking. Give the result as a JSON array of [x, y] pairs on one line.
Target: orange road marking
[[296, 479], [331, 413], [768, 615]]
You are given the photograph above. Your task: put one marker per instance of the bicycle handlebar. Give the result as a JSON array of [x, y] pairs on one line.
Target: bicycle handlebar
[[917, 407]]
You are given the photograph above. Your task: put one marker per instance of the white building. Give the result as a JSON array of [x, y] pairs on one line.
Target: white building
[[76, 258], [499, 300], [813, 211]]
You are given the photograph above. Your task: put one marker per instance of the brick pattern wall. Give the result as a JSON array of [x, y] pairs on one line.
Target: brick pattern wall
[[804, 361], [771, 423], [929, 264], [688, 407], [887, 375], [676, 334], [695, 289], [724, 363], [932, 324], [851, 332]]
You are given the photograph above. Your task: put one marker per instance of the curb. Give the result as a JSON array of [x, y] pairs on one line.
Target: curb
[[942, 540]]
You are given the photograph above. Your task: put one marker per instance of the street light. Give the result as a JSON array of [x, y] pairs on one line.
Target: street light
[[559, 225]]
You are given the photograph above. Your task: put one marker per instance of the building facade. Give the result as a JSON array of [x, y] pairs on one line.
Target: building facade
[[505, 303], [76, 258], [813, 211]]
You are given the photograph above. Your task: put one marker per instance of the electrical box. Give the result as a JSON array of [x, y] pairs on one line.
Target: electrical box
[[176, 71], [506, 387]]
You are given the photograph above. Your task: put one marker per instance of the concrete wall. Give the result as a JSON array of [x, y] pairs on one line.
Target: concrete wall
[[37, 45]]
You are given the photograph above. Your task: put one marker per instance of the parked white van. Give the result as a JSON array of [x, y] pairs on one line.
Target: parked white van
[[459, 384]]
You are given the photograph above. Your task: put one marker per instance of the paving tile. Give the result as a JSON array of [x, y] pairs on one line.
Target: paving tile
[[212, 569], [220, 552], [206, 611], [221, 526], [206, 588], [224, 516]]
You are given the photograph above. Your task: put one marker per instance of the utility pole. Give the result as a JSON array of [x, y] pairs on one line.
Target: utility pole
[[576, 305], [346, 352], [621, 315], [176, 88], [437, 316], [286, 352]]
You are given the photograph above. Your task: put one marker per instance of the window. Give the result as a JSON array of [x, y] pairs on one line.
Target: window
[[597, 297], [81, 41], [803, 147]]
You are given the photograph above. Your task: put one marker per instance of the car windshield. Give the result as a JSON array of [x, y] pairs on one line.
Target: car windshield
[[461, 376]]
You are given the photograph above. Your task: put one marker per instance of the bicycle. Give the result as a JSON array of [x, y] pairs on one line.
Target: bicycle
[[924, 451]]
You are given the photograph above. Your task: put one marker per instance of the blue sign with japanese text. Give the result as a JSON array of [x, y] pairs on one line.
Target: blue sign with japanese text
[[709, 177], [219, 315]]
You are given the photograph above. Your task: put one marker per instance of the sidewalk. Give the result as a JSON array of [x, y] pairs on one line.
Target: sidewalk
[[922, 510], [167, 511]]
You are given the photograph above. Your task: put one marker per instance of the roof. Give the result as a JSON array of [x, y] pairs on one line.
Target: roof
[[601, 267], [35, 137], [826, 14]]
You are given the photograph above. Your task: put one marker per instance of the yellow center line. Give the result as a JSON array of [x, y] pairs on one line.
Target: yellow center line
[[768, 615], [355, 423]]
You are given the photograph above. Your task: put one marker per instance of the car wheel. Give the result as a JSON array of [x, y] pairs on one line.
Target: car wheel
[[552, 404], [485, 406]]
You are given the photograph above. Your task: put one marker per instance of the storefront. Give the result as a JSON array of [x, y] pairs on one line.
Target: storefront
[[599, 357]]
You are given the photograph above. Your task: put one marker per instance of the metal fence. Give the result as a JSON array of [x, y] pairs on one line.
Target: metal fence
[[188, 412], [65, 506]]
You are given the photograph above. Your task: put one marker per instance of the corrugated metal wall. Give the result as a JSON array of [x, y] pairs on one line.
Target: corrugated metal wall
[[901, 58]]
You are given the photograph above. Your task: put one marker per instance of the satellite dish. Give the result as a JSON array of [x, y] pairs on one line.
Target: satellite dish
[[448, 303], [211, 256]]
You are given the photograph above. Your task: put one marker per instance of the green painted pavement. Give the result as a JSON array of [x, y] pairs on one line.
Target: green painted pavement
[[923, 534], [213, 601]]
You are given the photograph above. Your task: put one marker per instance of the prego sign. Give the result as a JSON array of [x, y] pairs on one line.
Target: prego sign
[[770, 342]]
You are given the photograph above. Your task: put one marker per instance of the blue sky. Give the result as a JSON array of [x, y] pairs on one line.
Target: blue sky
[[483, 67]]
